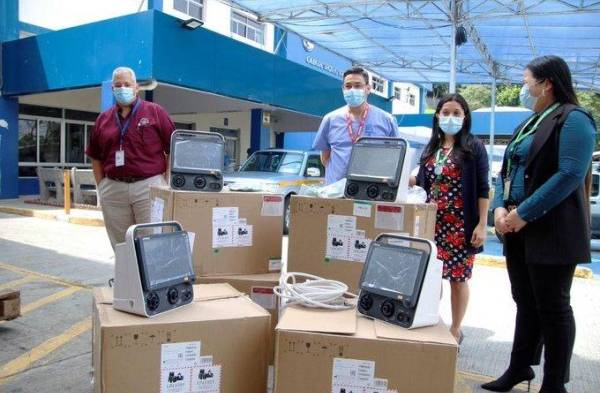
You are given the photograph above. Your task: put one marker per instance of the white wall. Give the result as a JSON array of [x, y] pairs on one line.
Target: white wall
[[217, 17], [237, 120], [402, 106], [61, 14]]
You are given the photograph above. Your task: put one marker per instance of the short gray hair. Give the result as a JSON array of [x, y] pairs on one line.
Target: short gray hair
[[120, 70]]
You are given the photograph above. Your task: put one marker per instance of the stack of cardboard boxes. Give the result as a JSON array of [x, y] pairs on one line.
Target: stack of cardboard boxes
[[226, 342], [339, 351], [235, 239]]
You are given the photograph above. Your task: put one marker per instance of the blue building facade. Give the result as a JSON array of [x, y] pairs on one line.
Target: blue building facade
[[73, 61]]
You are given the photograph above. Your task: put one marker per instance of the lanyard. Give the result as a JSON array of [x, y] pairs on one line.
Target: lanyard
[[441, 162], [522, 134], [361, 127], [438, 169], [124, 127]]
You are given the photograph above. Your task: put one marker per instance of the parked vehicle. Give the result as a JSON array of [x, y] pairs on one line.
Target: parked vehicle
[[278, 171]]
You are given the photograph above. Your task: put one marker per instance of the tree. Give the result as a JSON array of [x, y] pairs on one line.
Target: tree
[[477, 96], [508, 95]]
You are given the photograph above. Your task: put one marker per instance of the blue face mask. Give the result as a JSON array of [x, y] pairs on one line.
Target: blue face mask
[[526, 99], [451, 125], [124, 95], [355, 97]]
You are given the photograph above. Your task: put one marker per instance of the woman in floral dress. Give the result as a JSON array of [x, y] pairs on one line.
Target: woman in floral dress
[[454, 173]]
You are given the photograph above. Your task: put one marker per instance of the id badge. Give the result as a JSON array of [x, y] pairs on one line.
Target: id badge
[[506, 189], [120, 158]]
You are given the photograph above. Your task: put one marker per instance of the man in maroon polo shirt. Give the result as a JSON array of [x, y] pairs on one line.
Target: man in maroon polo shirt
[[129, 148]]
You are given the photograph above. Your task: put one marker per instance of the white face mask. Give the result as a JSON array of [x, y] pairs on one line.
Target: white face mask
[[451, 125]]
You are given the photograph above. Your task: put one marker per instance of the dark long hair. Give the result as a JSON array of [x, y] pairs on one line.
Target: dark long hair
[[463, 141], [555, 70]]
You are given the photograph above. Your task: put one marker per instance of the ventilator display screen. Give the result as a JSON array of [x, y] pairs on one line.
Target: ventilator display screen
[[198, 153], [393, 269], [165, 258], [372, 161]]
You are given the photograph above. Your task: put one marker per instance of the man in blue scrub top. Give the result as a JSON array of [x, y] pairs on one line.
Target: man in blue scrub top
[[341, 128]]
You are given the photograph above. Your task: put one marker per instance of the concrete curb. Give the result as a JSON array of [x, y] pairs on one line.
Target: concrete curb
[[90, 221], [500, 262]]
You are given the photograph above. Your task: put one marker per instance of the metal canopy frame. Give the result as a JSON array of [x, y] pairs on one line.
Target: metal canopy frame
[[411, 40], [414, 40]]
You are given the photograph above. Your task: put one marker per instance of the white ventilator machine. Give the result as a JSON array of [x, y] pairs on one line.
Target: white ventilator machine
[[401, 281], [379, 169], [153, 271], [197, 161]]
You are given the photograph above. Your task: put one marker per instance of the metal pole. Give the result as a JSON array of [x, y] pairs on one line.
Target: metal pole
[[67, 194], [454, 17], [492, 126]]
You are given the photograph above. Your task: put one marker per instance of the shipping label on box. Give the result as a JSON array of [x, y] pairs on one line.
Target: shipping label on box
[[344, 241], [272, 205], [357, 376], [389, 217], [183, 370], [264, 297], [228, 229]]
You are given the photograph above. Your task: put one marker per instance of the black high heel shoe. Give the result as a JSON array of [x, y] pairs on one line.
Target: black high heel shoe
[[509, 379]]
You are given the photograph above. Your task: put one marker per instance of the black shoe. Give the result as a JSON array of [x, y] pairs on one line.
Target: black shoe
[[545, 389], [509, 379]]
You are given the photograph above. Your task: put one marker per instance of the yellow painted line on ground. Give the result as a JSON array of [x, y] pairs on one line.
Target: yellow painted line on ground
[[47, 215], [24, 361], [47, 300], [494, 261], [16, 284], [28, 212], [42, 276]]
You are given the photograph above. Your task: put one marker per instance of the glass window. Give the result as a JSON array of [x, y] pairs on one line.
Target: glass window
[[397, 93], [411, 99], [246, 27], [49, 134], [314, 161], [377, 84], [191, 7], [27, 140], [595, 184], [75, 143], [88, 134], [274, 161]]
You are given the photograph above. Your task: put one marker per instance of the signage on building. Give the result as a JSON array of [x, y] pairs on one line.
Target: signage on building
[[306, 52], [313, 61]]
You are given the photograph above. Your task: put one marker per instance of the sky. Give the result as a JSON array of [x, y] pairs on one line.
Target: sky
[[61, 14]]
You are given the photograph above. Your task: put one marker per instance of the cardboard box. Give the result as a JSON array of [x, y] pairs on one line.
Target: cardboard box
[[260, 289], [330, 237], [341, 352], [10, 304], [217, 344], [233, 232]]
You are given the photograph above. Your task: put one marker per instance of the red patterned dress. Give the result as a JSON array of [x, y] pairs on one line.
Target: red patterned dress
[[446, 192]]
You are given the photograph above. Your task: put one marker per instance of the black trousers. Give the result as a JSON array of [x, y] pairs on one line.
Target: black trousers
[[544, 313]]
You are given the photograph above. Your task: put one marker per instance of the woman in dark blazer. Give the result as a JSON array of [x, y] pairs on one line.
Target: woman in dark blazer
[[454, 173], [541, 206]]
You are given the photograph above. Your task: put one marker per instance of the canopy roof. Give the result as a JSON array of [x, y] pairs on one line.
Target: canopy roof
[[411, 40]]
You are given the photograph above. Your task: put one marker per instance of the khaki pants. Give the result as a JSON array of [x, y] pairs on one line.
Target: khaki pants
[[125, 204]]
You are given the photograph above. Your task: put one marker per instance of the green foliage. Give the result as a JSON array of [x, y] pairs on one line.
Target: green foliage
[[477, 96], [508, 95]]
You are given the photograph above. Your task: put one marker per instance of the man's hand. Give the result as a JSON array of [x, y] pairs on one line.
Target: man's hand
[[500, 224], [325, 155], [514, 221]]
